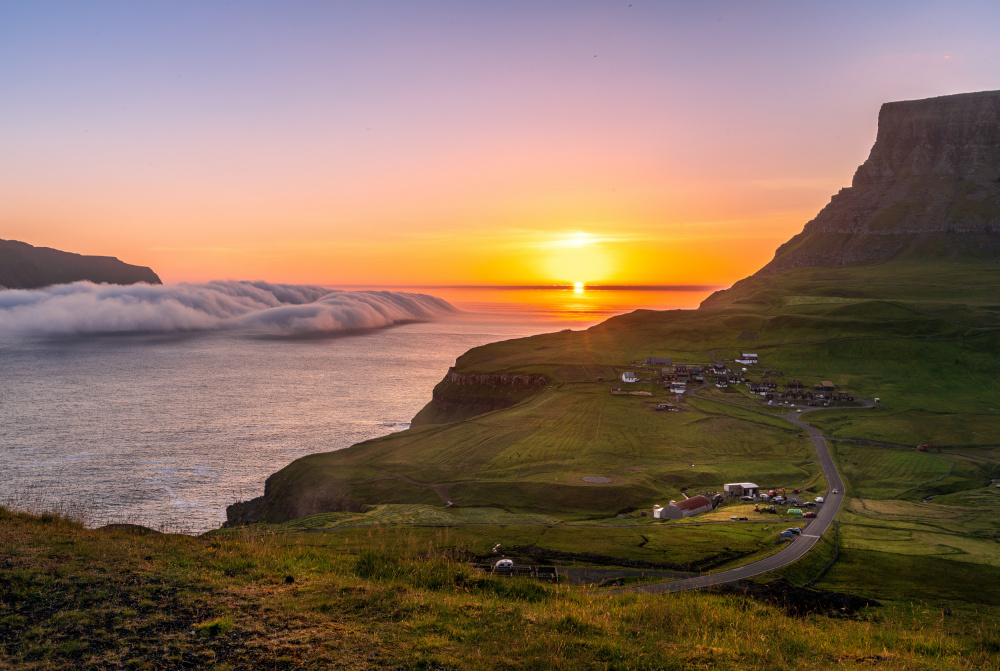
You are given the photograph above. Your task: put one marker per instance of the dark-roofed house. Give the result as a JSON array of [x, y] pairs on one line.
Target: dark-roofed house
[[824, 389], [657, 361]]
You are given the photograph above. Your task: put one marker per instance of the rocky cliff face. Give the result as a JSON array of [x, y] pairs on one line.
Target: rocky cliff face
[[929, 190], [462, 395], [23, 266]]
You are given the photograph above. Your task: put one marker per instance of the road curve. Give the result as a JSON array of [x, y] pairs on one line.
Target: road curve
[[798, 547]]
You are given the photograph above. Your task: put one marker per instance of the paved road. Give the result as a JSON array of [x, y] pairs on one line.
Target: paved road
[[815, 528]]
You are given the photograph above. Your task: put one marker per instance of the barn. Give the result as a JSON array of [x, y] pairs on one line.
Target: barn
[[696, 505]]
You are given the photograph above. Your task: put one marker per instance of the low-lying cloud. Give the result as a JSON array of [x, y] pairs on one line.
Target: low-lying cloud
[[84, 308]]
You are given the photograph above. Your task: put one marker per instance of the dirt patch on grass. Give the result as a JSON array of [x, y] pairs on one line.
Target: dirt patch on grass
[[800, 600]]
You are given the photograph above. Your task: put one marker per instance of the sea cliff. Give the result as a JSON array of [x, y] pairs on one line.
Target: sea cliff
[[24, 266]]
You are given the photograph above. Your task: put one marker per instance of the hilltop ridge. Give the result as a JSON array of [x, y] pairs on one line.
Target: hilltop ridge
[[24, 266]]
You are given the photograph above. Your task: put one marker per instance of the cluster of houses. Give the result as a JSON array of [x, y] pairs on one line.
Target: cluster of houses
[[676, 377], [696, 505]]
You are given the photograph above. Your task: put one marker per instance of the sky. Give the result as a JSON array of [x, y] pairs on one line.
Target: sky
[[465, 142]]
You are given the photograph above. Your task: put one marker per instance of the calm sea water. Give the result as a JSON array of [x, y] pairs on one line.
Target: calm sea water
[[167, 430]]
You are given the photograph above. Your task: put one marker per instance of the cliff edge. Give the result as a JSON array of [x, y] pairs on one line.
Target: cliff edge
[[24, 266], [930, 189]]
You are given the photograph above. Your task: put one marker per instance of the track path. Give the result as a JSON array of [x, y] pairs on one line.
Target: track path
[[799, 546]]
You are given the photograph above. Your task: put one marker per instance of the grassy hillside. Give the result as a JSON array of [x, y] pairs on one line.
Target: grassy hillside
[[921, 338], [360, 599]]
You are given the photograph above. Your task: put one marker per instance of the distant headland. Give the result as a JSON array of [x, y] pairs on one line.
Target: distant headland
[[24, 266]]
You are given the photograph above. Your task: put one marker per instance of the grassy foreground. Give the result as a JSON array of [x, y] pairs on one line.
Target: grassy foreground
[[395, 599]]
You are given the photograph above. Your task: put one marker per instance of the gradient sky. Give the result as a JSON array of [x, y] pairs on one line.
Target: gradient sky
[[455, 142]]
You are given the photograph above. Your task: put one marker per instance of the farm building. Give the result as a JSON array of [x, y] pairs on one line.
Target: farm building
[[741, 489], [629, 377], [669, 407], [658, 361], [747, 358], [678, 387], [696, 505]]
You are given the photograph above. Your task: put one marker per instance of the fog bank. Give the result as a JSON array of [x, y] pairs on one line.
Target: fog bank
[[84, 308]]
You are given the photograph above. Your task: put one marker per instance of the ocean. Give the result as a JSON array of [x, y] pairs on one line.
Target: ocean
[[165, 426]]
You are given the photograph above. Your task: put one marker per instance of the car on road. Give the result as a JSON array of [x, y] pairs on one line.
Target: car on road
[[809, 514], [835, 491], [819, 499]]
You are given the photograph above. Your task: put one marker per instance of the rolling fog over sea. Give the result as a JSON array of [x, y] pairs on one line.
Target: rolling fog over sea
[[165, 425]]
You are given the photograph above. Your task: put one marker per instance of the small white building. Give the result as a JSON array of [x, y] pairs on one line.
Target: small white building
[[741, 489], [628, 376], [747, 358], [678, 387]]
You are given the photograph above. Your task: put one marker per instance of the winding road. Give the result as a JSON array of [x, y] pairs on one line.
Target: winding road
[[799, 545]]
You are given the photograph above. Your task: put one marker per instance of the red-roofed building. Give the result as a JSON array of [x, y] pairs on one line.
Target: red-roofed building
[[696, 505]]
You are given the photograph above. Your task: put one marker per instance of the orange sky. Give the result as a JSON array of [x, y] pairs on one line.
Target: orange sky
[[520, 143]]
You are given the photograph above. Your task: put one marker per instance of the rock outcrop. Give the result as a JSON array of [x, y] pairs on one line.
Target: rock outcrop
[[463, 395], [929, 190], [23, 266]]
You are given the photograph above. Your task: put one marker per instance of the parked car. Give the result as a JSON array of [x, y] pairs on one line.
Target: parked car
[[809, 514], [809, 504], [795, 530], [786, 534]]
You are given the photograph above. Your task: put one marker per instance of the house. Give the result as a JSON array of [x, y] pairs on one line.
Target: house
[[657, 361], [628, 376], [696, 505], [768, 383], [845, 396], [795, 384], [670, 407], [719, 368], [722, 382], [824, 389], [678, 387], [741, 489], [682, 372], [747, 358]]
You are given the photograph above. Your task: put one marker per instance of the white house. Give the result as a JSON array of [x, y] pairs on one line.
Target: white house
[[747, 358], [741, 489], [629, 377]]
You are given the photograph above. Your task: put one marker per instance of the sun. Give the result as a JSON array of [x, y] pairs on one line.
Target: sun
[[578, 287]]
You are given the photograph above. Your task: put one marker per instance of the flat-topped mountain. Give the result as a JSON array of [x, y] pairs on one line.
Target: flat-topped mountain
[[930, 190], [24, 266]]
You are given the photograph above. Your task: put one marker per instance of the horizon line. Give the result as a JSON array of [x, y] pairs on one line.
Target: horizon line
[[592, 287]]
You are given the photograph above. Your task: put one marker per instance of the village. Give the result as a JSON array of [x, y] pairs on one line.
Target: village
[[749, 379]]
